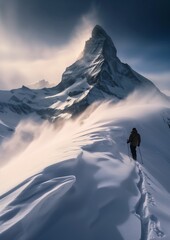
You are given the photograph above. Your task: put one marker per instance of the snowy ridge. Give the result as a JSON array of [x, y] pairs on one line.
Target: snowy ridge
[[92, 190], [81, 195]]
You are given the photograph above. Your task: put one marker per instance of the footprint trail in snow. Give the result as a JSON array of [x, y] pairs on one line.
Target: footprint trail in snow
[[150, 225]]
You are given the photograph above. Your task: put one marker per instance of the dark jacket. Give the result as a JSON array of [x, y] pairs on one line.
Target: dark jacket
[[134, 138]]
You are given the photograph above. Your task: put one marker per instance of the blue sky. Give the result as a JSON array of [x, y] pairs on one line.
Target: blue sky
[[139, 29]]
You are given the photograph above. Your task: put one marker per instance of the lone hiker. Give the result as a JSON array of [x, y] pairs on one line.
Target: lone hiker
[[134, 140]]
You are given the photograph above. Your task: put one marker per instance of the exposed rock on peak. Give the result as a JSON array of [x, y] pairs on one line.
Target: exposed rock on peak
[[99, 32], [100, 44]]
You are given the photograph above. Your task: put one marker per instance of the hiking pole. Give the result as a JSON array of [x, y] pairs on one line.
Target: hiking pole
[[140, 155]]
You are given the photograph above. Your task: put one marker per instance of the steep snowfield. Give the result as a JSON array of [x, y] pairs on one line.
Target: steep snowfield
[[78, 182]]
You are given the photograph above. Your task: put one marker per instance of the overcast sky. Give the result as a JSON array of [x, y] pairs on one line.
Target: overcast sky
[[39, 38]]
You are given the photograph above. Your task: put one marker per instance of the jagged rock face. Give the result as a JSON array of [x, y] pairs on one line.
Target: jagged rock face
[[100, 44]]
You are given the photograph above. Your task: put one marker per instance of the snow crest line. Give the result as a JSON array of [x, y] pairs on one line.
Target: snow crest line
[[150, 225]]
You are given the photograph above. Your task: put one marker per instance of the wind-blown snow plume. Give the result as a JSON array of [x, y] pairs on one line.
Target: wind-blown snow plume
[[42, 145]]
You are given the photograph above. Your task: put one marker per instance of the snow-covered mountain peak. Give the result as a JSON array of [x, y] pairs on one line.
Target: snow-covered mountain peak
[[100, 44], [99, 75]]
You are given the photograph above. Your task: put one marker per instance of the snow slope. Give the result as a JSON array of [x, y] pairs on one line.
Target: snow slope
[[82, 184]]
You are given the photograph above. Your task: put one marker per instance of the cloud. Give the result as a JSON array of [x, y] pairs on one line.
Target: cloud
[[22, 64], [161, 80], [25, 133], [50, 23]]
